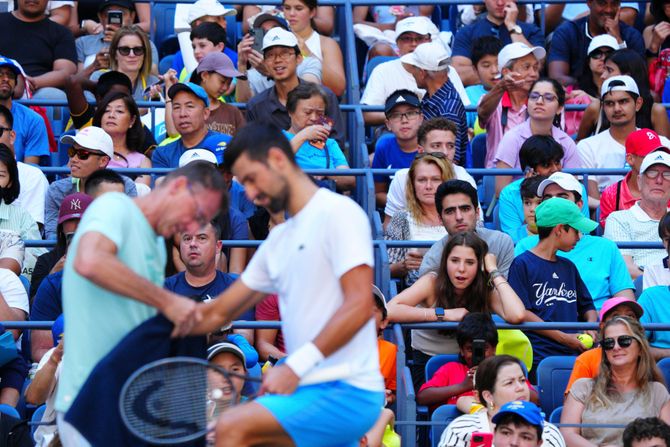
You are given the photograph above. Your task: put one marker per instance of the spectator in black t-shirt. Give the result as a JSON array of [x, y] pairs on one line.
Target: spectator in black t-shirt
[[44, 48]]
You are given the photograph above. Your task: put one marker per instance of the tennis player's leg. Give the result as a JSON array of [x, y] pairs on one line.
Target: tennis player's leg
[[250, 424], [326, 414]]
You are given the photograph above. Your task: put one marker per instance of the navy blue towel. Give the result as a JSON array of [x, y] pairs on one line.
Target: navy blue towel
[[95, 411]]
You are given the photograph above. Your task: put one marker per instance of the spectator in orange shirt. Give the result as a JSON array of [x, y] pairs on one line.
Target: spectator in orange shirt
[[387, 350], [588, 362], [455, 379]]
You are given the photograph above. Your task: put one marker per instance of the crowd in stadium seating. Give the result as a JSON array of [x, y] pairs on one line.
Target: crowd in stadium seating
[[535, 247]]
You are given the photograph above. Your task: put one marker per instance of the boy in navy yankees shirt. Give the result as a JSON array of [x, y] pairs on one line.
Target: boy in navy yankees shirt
[[550, 286]]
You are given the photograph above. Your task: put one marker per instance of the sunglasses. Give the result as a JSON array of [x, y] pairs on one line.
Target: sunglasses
[[83, 154], [598, 54], [624, 341], [3, 129], [125, 51]]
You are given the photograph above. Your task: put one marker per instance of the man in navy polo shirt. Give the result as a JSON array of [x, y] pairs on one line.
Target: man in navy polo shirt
[[568, 54], [501, 22], [190, 110]]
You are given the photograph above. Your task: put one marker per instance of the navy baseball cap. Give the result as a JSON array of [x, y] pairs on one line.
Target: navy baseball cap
[[527, 410], [191, 88], [11, 63], [399, 98]]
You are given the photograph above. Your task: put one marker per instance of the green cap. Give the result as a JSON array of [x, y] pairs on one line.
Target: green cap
[[559, 211]]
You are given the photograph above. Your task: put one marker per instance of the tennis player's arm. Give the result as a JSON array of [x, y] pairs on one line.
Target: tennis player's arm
[[227, 306], [96, 260]]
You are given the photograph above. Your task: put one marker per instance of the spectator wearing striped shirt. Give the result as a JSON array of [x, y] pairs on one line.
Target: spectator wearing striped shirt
[[429, 65]]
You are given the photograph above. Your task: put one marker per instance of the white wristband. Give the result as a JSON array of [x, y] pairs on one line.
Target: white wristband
[[304, 359]]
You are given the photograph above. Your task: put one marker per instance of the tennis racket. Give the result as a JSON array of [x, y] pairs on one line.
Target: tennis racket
[[177, 399]]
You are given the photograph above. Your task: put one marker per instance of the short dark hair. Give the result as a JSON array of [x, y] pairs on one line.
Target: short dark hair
[[108, 80], [544, 232], [477, 325], [528, 188], [517, 421], [455, 186], [646, 428], [135, 134], [485, 46], [7, 115], [540, 150], [304, 90], [256, 140], [211, 31], [437, 123], [11, 192], [216, 226], [664, 228], [487, 372], [99, 177], [204, 174]]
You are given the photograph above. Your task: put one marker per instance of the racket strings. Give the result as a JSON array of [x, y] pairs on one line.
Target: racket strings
[[173, 401]]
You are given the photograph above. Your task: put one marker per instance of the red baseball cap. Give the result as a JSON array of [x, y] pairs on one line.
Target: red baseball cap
[[642, 142]]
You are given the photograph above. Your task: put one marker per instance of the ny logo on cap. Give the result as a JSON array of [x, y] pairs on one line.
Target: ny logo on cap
[[75, 204], [400, 99], [651, 135]]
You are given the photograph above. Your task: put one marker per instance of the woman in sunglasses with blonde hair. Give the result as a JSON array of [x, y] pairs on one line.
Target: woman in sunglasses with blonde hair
[[130, 53], [628, 386]]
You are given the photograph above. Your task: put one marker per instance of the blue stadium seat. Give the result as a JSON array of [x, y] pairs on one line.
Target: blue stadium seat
[[555, 416], [434, 363], [163, 15], [478, 154], [61, 158], [664, 366], [9, 410], [553, 374], [36, 418], [443, 416], [165, 63], [638, 286]]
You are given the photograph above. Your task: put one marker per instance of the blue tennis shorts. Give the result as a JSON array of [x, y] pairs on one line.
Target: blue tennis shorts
[[333, 414]]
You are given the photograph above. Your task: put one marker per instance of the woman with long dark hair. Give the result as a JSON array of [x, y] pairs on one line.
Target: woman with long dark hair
[[468, 280]]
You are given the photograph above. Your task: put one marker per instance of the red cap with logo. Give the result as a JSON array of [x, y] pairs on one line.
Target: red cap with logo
[[642, 142]]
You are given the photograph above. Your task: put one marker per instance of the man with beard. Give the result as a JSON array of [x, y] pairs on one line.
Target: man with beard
[[31, 140], [320, 264], [44, 48]]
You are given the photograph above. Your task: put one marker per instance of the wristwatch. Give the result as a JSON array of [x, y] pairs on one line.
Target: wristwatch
[[439, 313], [516, 29]]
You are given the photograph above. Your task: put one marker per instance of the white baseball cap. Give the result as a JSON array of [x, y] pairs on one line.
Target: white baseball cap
[[419, 24], [279, 37], [93, 138], [517, 50], [603, 40], [203, 8], [431, 56], [622, 83], [562, 179], [197, 155], [655, 158]]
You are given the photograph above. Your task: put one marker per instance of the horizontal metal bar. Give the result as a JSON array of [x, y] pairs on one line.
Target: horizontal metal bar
[[240, 324]]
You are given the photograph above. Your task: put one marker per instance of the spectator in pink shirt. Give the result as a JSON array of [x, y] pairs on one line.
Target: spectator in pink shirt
[[545, 106]]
